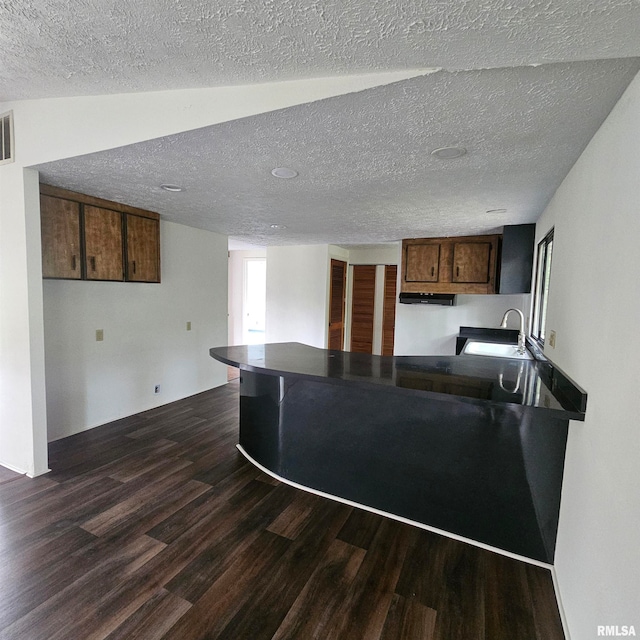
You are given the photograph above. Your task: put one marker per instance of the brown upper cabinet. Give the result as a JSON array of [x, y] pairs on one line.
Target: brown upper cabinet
[[143, 249], [450, 265], [60, 225], [103, 244], [93, 239]]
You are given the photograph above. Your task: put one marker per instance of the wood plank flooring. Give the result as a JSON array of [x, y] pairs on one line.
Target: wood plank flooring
[[154, 526]]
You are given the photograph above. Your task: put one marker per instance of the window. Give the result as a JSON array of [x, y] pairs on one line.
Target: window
[[6, 137], [541, 297]]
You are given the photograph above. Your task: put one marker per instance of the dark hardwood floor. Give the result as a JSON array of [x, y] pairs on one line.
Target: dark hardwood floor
[[154, 526]]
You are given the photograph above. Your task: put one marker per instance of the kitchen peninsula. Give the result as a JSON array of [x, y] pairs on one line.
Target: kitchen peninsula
[[472, 446]]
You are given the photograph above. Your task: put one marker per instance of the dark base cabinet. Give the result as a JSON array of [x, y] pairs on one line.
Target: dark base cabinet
[[488, 472]]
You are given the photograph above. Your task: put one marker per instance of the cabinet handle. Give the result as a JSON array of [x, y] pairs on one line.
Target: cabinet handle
[[73, 263], [457, 271], [93, 263], [134, 266], [432, 270]]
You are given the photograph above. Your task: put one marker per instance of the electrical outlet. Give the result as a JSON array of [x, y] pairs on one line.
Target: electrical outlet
[[189, 326], [99, 335], [156, 389], [552, 339]]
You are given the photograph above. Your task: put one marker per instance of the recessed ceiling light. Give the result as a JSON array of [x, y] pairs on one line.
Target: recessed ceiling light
[[173, 188], [449, 153], [284, 172], [278, 226], [496, 211]]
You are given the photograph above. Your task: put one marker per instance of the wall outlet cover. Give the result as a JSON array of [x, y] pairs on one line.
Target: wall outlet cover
[[156, 389], [188, 326], [552, 339], [99, 335]]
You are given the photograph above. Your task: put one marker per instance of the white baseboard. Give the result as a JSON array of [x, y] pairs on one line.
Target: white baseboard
[[12, 468]]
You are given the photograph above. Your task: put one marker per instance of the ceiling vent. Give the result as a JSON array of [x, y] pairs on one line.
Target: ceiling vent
[[6, 137]]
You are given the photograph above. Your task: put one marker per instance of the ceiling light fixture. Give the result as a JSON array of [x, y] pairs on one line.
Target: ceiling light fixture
[[496, 211], [173, 188], [278, 226], [284, 172], [449, 153]]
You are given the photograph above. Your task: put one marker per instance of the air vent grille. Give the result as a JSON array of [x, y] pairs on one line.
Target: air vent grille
[[6, 137]]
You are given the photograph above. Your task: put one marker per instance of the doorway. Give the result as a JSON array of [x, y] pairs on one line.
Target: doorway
[[254, 300]]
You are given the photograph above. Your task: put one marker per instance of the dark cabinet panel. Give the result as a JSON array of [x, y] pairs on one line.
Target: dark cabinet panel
[[103, 244], [60, 226], [143, 249], [516, 266]]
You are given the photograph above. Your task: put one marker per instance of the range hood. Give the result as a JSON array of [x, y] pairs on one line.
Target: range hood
[[446, 299]]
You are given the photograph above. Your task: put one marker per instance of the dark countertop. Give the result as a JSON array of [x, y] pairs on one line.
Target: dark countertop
[[524, 384]]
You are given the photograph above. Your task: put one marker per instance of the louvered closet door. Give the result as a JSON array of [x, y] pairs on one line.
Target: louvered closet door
[[389, 309], [363, 303]]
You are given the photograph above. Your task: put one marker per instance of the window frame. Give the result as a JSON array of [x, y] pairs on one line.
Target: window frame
[[544, 258]]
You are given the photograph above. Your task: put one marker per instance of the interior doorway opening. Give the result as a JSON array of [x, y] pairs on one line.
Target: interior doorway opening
[[254, 299]]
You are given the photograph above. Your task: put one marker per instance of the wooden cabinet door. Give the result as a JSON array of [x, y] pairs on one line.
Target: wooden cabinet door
[[103, 244], [422, 262], [471, 262], [337, 295], [60, 225], [143, 249]]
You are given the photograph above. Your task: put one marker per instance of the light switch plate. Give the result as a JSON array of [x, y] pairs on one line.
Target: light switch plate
[[552, 339], [188, 326], [99, 335]]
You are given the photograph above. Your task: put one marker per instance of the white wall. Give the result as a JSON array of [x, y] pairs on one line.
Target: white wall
[[145, 338], [424, 329], [85, 125], [236, 290], [594, 306], [297, 294]]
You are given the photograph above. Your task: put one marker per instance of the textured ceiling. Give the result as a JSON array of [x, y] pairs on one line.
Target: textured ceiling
[[72, 47], [365, 170], [523, 85]]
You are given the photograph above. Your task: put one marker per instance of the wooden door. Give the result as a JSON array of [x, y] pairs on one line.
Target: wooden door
[[103, 244], [143, 249], [60, 226], [389, 309], [422, 262], [337, 294], [363, 300], [471, 262]]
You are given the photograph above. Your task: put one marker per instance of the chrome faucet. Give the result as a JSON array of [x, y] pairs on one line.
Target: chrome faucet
[[521, 336]]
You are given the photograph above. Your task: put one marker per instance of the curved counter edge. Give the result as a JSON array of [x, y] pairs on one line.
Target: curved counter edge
[[387, 514]]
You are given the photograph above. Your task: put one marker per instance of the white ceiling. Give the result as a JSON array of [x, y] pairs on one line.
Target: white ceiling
[[366, 173]]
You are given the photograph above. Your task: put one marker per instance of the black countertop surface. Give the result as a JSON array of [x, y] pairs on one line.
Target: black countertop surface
[[525, 384]]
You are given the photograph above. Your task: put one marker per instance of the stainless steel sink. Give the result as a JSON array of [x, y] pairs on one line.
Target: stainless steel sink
[[496, 350]]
